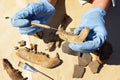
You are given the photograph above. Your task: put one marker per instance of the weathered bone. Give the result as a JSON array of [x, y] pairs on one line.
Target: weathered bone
[[13, 73], [69, 37], [22, 43], [33, 47], [39, 59]]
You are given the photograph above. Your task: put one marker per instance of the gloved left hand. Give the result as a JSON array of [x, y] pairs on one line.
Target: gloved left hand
[[39, 12], [96, 36]]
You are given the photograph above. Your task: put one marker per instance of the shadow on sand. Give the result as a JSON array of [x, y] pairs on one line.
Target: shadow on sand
[[60, 18]]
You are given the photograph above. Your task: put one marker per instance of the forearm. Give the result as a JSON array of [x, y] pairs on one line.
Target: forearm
[[104, 4]]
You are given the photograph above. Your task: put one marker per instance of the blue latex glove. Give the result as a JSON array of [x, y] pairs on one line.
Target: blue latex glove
[[39, 12], [93, 19]]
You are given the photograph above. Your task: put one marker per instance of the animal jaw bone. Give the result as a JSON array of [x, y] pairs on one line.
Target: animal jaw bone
[[69, 37], [13, 73], [39, 59], [103, 53]]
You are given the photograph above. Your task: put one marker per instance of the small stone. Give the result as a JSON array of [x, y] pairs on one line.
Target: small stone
[[78, 71], [7, 17], [94, 66], [22, 43], [84, 60], [87, 57], [66, 49]]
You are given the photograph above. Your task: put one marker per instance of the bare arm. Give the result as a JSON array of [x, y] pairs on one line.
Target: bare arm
[[104, 4]]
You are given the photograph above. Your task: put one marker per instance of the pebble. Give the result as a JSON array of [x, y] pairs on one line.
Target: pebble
[[84, 60], [78, 71], [94, 66]]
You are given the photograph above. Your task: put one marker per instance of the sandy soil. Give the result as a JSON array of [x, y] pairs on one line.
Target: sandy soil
[[9, 36]]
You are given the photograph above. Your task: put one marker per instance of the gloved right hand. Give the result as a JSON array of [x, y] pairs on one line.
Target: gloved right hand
[[94, 20]]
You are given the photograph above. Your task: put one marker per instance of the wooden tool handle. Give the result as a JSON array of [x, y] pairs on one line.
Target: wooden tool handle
[[40, 25]]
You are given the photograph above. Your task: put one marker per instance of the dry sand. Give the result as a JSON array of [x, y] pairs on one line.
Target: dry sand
[[9, 36]]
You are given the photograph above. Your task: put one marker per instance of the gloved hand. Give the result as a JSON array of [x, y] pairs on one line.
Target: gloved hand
[[95, 21], [39, 12], [23, 17]]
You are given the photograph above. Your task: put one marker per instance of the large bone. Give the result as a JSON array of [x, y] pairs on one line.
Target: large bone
[[12, 72], [39, 59], [69, 37]]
